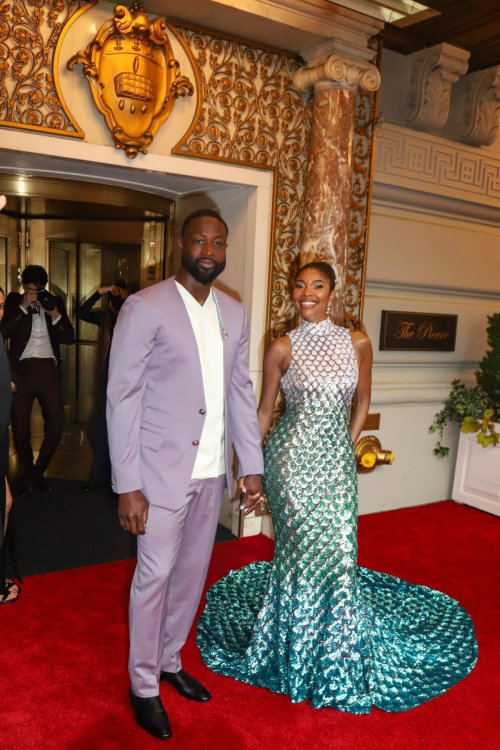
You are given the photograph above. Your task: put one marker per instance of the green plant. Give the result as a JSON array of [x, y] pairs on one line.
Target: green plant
[[474, 407], [488, 375], [463, 403]]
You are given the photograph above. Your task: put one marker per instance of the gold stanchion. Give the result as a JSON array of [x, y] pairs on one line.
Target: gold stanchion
[[241, 524]]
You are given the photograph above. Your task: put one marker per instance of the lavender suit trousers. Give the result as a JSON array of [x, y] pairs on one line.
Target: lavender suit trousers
[[172, 563]]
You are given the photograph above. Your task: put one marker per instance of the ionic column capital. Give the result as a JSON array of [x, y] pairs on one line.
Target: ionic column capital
[[338, 71]]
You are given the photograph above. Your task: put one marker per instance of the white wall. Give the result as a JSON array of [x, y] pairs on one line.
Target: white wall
[[434, 247]]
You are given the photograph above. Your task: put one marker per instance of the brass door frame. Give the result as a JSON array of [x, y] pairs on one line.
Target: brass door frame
[[88, 192], [7, 284], [69, 414]]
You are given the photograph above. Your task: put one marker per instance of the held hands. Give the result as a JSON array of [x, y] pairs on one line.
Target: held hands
[[251, 492], [133, 512]]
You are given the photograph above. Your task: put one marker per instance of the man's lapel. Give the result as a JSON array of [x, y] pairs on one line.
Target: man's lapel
[[230, 343]]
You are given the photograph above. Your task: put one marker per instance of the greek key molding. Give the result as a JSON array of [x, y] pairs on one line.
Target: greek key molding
[[431, 74], [338, 71], [31, 33], [431, 164]]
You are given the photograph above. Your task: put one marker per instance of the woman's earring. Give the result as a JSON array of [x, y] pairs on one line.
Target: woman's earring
[[329, 308]]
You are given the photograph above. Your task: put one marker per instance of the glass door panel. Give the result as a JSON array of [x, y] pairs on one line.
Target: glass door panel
[[99, 264], [62, 281]]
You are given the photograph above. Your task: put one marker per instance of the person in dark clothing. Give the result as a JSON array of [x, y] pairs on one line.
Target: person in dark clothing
[[35, 334], [9, 591], [117, 292]]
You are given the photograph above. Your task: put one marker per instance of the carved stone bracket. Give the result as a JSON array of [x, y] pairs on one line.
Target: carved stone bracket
[[431, 74], [338, 71], [479, 107]]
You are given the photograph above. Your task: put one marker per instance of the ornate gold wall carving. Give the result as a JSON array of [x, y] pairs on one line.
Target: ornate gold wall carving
[[250, 114], [363, 164], [30, 97], [133, 77]]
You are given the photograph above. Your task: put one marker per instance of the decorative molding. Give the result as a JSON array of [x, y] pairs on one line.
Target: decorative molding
[[435, 209], [338, 71], [431, 164], [460, 296], [479, 107], [362, 190], [31, 33], [421, 394], [431, 74]]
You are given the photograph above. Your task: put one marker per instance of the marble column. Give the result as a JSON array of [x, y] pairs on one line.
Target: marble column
[[336, 79]]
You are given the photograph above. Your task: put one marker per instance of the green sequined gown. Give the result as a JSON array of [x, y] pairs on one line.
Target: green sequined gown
[[312, 624]]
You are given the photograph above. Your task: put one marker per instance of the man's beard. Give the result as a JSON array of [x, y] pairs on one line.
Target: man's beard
[[202, 275]]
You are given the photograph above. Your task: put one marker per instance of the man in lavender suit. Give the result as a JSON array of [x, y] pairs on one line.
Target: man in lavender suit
[[179, 396]]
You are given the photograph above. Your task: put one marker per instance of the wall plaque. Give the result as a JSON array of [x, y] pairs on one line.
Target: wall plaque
[[417, 332], [133, 77]]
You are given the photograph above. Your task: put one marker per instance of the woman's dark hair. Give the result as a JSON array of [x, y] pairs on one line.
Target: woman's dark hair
[[323, 268], [35, 275]]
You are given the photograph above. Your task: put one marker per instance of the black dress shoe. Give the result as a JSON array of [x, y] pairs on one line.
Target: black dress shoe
[[186, 686], [151, 716]]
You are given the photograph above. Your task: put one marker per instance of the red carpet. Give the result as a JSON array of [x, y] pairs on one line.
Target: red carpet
[[63, 680]]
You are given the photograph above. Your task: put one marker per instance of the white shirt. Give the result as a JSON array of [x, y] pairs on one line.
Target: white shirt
[[39, 342], [204, 319]]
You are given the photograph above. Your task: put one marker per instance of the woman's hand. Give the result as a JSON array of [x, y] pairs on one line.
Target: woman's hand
[[251, 492], [113, 289]]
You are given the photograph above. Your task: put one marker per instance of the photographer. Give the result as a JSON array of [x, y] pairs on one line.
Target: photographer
[[116, 294], [36, 324]]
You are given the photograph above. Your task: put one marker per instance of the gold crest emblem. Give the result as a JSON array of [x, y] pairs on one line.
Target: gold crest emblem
[[133, 77]]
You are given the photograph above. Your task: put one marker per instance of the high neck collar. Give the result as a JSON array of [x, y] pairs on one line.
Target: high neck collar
[[310, 327]]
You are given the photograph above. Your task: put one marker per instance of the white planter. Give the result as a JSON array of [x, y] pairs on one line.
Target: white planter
[[477, 474]]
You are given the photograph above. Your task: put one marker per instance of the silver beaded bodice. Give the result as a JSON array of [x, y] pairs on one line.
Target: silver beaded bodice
[[323, 367]]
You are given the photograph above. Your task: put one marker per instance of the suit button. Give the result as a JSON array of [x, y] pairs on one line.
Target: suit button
[[202, 412], [196, 442]]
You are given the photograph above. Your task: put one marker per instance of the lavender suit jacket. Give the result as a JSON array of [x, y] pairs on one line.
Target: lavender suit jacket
[[156, 402]]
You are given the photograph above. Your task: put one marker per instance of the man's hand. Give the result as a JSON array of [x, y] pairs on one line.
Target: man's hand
[[251, 492], [115, 290], [30, 298], [54, 314], [3, 201], [133, 512]]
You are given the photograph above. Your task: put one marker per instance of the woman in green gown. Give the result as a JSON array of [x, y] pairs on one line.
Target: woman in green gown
[[311, 624]]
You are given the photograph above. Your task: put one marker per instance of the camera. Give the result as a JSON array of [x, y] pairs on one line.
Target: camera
[[46, 299]]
